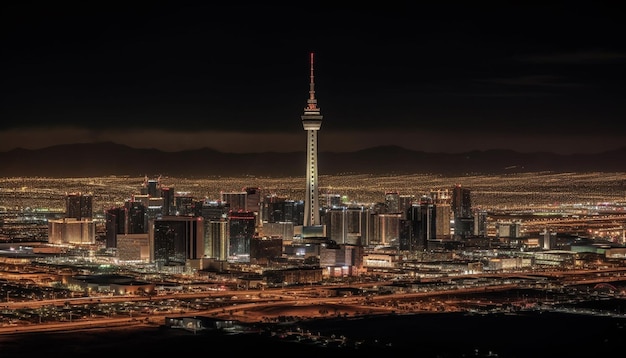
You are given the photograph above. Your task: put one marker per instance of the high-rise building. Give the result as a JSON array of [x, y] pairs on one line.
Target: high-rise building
[[71, 231], [328, 200], [336, 224], [237, 200], [440, 196], [131, 218], [341, 260], [135, 218], [216, 238], [480, 223], [407, 240], [461, 202], [392, 200], [151, 187], [264, 249], [241, 230], [347, 225], [284, 229], [358, 224], [280, 209], [142, 198], [253, 199], [404, 203], [167, 193], [154, 208], [423, 221], [462, 211], [184, 203], [214, 209], [311, 122], [133, 247], [267, 207], [176, 239], [114, 224], [387, 228], [443, 217], [78, 206]]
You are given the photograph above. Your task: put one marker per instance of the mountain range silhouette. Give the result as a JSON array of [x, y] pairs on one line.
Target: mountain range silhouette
[[107, 158]]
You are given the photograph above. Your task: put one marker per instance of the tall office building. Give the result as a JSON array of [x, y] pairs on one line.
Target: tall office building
[[131, 218], [167, 193], [176, 239], [359, 222], [387, 228], [253, 203], [443, 217], [184, 203], [151, 187], [404, 203], [114, 222], [423, 222], [78, 226], [214, 209], [241, 230], [336, 224], [311, 122], [461, 202], [237, 200], [135, 218], [253, 199], [268, 207], [462, 211], [480, 223], [78, 206], [216, 238], [443, 213], [347, 225]]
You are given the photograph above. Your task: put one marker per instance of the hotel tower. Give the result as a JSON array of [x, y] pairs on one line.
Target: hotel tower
[[311, 122]]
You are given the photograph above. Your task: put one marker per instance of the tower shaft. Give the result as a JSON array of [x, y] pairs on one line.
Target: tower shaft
[[311, 122]]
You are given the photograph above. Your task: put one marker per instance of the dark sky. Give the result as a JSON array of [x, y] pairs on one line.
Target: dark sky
[[437, 78]]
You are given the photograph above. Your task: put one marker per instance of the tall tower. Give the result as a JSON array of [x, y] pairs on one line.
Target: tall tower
[[311, 122]]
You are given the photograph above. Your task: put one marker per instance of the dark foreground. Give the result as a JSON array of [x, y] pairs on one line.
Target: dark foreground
[[528, 334]]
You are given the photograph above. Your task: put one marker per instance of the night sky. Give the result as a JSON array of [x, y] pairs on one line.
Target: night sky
[[436, 78]]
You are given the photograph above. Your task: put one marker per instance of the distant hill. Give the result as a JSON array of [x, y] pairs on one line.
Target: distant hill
[[103, 159]]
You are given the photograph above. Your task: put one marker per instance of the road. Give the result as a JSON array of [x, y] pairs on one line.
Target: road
[[304, 301]]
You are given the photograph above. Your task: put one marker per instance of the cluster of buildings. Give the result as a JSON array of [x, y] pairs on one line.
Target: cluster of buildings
[[175, 231], [303, 240], [264, 234]]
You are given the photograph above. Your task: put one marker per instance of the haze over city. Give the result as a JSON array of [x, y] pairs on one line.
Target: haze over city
[[436, 78]]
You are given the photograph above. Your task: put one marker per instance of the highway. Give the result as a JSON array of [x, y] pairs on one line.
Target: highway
[[258, 305]]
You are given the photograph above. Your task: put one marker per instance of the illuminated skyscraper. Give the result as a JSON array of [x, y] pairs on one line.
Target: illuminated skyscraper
[[235, 200], [78, 206], [311, 122], [176, 239], [216, 238], [241, 225], [461, 205]]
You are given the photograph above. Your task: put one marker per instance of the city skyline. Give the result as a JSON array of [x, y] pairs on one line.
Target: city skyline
[[439, 78]]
